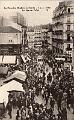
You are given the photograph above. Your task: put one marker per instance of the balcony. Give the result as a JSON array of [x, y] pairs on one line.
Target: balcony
[[58, 15], [69, 32], [58, 23], [68, 49], [68, 22], [58, 32], [58, 40]]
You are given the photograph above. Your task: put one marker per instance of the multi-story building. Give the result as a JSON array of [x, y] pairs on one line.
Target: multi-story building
[[20, 20], [37, 37], [47, 36], [40, 36], [63, 28], [12, 35], [30, 37]]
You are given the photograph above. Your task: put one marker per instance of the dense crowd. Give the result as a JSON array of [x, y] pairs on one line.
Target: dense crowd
[[57, 92]]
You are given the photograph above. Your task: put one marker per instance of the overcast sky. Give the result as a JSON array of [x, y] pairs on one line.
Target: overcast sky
[[32, 17]]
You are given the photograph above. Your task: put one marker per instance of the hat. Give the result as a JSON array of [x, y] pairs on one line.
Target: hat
[[29, 89]]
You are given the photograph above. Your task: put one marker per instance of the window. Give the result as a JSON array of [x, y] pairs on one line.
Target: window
[[68, 10], [68, 27], [68, 45], [10, 40], [11, 49], [68, 37], [68, 19]]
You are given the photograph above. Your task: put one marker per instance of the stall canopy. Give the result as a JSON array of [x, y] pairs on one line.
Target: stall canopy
[[17, 75], [11, 86], [7, 59]]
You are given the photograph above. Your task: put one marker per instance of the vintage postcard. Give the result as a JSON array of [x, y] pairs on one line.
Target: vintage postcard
[[37, 59]]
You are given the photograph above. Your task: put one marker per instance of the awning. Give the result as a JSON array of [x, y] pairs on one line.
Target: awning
[[10, 91], [11, 86], [7, 59], [18, 76], [63, 59]]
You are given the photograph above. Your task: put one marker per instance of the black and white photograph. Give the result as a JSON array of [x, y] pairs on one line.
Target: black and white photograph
[[36, 59]]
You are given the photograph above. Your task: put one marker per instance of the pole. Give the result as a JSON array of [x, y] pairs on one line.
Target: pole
[[73, 54]]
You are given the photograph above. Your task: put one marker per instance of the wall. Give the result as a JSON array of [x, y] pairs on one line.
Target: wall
[[10, 38], [49, 39]]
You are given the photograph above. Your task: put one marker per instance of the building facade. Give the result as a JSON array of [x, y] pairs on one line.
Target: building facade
[[63, 28], [12, 35], [12, 38], [30, 37], [40, 37], [37, 37], [47, 36]]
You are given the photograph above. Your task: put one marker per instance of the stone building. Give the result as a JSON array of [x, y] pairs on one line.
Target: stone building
[[30, 37], [63, 28], [12, 35], [40, 36]]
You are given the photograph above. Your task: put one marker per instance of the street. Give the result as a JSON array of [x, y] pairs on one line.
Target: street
[[39, 99], [37, 60]]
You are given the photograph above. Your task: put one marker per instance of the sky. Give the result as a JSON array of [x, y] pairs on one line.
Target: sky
[[43, 16]]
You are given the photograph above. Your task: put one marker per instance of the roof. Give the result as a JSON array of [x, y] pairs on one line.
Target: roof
[[30, 29], [18, 76], [8, 29]]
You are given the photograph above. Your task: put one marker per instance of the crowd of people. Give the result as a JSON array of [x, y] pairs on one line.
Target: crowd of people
[[57, 92]]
